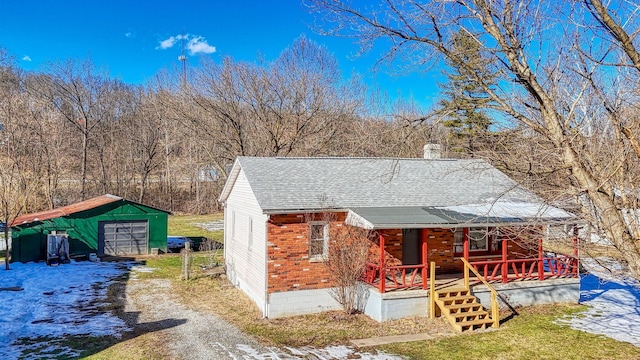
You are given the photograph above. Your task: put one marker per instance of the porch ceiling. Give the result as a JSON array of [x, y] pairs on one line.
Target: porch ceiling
[[416, 217]]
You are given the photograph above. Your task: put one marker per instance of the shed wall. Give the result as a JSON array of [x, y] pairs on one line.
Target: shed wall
[[29, 240]]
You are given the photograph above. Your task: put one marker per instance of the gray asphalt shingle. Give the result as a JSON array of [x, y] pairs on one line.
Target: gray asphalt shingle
[[314, 183]]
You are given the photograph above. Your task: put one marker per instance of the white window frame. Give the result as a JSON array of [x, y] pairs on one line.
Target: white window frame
[[250, 233], [233, 224], [478, 234], [325, 241]]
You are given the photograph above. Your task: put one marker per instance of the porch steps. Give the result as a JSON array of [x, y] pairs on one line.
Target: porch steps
[[462, 309]]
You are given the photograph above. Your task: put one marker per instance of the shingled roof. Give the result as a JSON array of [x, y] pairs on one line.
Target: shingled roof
[[303, 184], [70, 209]]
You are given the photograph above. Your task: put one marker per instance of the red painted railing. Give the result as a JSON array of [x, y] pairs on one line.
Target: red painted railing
[[395, 277], [519, 269], [411, 276]]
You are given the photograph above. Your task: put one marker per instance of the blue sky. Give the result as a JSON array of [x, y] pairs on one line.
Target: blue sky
[[130, 38]]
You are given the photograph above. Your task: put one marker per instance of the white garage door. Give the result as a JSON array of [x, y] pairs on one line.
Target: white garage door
[[123, 238]]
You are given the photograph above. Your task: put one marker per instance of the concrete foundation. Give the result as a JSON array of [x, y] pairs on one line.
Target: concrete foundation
[[301, 302], [528, 293], [396, 305], [402, 304]]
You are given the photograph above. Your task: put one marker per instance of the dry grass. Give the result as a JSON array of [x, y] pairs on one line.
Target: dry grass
[[185, 225], [533, 334], [333, 327]]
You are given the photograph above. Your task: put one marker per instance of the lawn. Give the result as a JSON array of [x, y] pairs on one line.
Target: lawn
[[194, 225], [532, 334]]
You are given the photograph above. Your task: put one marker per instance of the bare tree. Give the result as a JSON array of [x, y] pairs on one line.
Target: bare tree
[[565, 71], [80, 94], [348, 253]]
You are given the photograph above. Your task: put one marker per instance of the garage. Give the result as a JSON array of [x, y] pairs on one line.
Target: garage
[[105, 225], [118, 238]]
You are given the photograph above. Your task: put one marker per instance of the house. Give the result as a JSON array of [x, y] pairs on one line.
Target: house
[[105, 225], [420, 211]]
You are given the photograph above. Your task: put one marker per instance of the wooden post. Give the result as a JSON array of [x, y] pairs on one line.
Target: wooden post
[[540, 261], [576, 254], [466, 275], [432, 291], [505, 267], [495, 310], [186, 261], [425, 260], [465, 244], [383, 271]]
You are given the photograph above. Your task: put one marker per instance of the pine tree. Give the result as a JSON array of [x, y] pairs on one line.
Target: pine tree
[[464, 96]]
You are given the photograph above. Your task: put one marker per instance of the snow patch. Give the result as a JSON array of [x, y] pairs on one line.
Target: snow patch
[[510, 209], [214, 225], [56, 302], [613, 299]]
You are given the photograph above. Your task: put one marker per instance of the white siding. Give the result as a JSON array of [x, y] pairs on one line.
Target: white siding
[[245, 260]]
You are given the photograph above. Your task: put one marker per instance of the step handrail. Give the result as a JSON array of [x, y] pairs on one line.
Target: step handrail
[[495, 310]]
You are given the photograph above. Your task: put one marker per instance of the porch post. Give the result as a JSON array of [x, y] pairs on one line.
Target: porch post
[[505, 267], [465, 244], [383, 271], [540, 261], [424, 258], [575, 250]]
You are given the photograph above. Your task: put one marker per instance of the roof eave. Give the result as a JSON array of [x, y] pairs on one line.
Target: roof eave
[[231, 180]]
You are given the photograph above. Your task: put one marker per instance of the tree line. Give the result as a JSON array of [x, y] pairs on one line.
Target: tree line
[[547, 91], [71, 132]]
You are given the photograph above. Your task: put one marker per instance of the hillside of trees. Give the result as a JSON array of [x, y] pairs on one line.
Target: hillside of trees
[[71, 132]]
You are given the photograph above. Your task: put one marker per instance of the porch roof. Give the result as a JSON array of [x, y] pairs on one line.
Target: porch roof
[[490, 214]]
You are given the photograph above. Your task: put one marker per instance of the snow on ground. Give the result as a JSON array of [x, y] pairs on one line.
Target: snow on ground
[[213, 225], [613, 299], [55, 301]]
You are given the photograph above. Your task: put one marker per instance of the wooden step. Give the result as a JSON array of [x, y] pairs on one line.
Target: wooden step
[[470, 316], [451, 293], [472, 324], [474, 306], [462, 310], [454, 300]]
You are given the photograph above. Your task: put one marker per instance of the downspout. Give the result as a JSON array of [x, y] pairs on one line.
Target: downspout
[[425, 260], [266, 267]]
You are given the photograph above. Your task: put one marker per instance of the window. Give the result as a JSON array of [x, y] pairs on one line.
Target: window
[[478, 239], [318, 240], [458, 241], [233, 224], [250, 233], [482, 240]]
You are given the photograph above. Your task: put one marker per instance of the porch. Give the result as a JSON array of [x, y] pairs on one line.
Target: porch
[[386, 278]]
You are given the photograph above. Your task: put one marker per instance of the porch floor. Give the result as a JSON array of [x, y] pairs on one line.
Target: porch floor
[[453, 280]]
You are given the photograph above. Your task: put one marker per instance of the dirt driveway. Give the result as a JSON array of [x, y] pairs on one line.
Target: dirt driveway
[[191, 334]]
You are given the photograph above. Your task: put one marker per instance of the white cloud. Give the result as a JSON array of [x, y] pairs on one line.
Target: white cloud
[[26, 58], [128, 34], [196, 44], [167, 43]]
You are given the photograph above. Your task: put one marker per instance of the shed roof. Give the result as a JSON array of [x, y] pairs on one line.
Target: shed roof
[[70, 209], [400, 186]]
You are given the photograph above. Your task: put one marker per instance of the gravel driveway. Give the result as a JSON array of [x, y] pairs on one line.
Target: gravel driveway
[[191, 334], [198, 335]]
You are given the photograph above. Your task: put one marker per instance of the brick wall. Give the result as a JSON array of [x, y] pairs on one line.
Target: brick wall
[[289, 267], [440, 249], [288, 264]]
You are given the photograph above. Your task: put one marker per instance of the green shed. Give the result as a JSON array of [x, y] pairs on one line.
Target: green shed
[[105, 225]]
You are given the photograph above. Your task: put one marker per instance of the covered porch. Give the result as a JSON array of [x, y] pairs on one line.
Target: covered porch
[[408, 239]]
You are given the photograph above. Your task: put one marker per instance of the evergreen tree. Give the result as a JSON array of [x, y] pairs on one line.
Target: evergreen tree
[[464, 96]]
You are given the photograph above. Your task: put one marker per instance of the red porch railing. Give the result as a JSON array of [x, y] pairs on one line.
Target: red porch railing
[[522, 269], [395, 277], [412, 276]]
